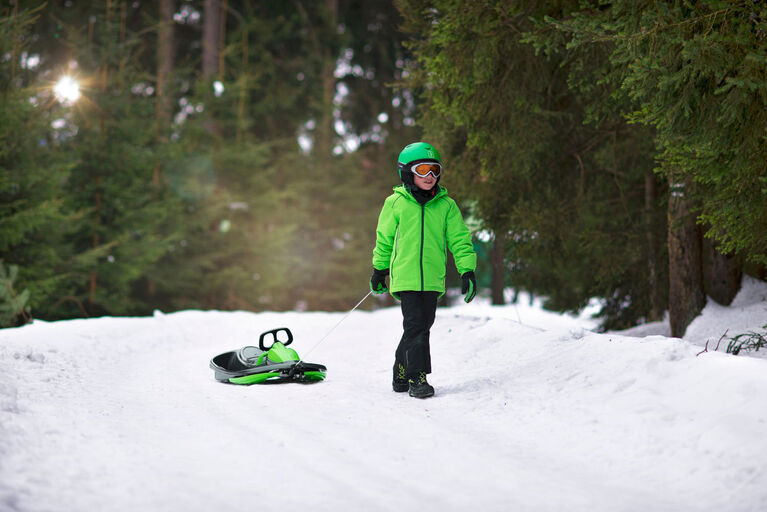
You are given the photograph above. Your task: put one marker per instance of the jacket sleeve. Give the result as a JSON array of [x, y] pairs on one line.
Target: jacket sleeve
[[385, 232], [459, 240]]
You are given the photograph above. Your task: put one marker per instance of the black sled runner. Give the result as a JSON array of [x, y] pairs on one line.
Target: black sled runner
[[256, 365]]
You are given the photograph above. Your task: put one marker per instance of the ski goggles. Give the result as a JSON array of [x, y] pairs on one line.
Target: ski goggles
[[424, 169]]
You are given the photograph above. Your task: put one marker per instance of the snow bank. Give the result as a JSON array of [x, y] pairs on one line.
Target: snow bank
[[747, 313]]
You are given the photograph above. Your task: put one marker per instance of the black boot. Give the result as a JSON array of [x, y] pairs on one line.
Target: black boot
[[399, 383], [419, 388]]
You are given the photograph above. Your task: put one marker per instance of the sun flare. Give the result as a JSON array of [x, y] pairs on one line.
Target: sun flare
[[67, 90]]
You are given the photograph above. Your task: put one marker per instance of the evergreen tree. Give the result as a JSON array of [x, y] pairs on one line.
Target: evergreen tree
[[125, 226], [183, 184], [360, 127], [694, 72], [562, 188], [32, 173], [298, 223]]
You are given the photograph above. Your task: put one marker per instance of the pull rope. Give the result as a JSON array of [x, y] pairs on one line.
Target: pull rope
[[339, 322]]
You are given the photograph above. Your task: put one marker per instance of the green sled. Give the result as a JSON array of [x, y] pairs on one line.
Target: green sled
[[266, 365]]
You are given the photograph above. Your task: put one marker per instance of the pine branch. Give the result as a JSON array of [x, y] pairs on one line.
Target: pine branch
[[596, 37]]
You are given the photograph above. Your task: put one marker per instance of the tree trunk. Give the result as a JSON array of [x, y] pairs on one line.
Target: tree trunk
[[325, 128], [165, 54], [650, 197], [244, 77], [164, 64], [164, 69], [211, 37], [93, 275], [499, 269], [222, 37], [721, 273], [686, 297], [15, 48]]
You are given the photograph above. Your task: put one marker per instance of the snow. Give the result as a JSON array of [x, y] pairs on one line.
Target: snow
[[747, 313], [533, 411]]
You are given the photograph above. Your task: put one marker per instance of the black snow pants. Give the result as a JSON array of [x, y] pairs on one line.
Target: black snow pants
[[418, 311]]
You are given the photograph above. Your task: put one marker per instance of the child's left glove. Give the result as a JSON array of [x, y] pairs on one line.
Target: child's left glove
[[468, 286], [378, 281]]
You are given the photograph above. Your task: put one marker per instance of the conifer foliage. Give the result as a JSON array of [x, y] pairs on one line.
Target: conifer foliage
[[694, 72], [234, 155], [221, 154], [33, 170], [13, 304], [591, 133], [562, 185]]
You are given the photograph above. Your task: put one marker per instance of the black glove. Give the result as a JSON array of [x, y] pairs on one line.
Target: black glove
[[378, 281], [468, 285]]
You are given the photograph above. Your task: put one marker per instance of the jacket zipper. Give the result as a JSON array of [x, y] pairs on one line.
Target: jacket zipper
[[423, 214], [394, 257]]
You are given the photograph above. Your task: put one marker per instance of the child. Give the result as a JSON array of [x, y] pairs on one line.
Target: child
[[417, 224]]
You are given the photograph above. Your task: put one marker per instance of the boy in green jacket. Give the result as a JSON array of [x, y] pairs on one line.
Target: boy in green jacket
[[417, 224]]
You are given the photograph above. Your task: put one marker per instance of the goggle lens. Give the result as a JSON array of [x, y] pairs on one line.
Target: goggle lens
[[423, 170]]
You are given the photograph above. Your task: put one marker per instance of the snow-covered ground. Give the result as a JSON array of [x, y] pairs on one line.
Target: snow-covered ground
[[533, 411]]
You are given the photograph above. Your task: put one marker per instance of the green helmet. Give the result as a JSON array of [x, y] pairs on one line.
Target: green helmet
[[415, 152]]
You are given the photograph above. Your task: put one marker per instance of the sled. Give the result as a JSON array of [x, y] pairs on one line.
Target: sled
[[257, 365]]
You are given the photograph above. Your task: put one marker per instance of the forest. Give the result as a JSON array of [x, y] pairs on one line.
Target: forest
[[234, 155]]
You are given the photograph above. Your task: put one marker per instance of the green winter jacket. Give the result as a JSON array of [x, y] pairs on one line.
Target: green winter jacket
[[412, 240]]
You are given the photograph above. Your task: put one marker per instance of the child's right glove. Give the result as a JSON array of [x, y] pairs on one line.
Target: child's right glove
[[378, 281], [468, 286]]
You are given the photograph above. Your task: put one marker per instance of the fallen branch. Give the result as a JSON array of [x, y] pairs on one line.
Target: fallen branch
[[720, 339], [717, 344]]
